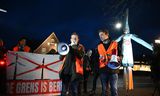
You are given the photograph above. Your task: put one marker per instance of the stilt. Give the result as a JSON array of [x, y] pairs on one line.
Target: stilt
[[128, 81]]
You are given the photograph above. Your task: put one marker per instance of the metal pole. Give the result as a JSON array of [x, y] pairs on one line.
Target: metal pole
[[15, 70], [42, 68]]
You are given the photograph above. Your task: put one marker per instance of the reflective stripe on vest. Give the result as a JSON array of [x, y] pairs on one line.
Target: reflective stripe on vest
[[105, 55]]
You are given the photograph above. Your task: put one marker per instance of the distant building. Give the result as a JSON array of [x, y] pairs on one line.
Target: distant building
[[140, 66], [49, 45]]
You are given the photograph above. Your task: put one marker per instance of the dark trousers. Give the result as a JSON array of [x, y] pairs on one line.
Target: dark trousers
[[95, 78], [85, 80], [69, 86]]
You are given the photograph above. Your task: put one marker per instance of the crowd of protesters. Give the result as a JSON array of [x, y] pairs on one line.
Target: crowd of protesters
[[79, 64]]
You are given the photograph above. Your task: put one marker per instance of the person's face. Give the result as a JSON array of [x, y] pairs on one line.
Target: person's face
[[74, 39], [22, 42], [103, 36]]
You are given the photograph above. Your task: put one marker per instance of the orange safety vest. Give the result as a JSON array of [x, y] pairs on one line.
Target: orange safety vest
[[78, 63], [26, 48], [105, 56]]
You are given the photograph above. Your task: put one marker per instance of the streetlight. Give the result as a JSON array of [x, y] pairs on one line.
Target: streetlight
[[157, 41], [118, 25]]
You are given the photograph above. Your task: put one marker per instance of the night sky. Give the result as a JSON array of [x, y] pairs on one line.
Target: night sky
[[37, 19]]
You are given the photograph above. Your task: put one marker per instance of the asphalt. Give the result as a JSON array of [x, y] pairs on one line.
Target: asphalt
[[143, 85]]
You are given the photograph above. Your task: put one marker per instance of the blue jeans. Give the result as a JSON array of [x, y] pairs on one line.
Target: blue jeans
[[106, 79]]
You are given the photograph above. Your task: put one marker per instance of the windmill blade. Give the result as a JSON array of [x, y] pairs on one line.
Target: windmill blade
[[127, 30], [142, 42], [2, 10], [119, 38]]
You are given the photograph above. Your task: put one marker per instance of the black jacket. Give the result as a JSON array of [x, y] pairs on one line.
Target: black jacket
[[69, 63]]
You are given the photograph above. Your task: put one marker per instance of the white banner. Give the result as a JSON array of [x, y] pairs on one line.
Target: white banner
[[24, 69]]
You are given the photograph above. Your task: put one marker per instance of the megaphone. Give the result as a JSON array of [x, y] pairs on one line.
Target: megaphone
[[113, 63], [62, 48]]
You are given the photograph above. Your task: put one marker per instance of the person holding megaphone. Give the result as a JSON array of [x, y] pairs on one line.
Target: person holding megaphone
[[108, 63], [71, 72]]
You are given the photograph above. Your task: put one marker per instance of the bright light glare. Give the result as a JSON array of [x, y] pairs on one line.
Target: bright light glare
[[2, 62], [118, 25], [157, 41]]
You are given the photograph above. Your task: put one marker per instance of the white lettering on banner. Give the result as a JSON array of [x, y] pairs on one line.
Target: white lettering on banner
[[53, 86], [28, 87], [43, 87]]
